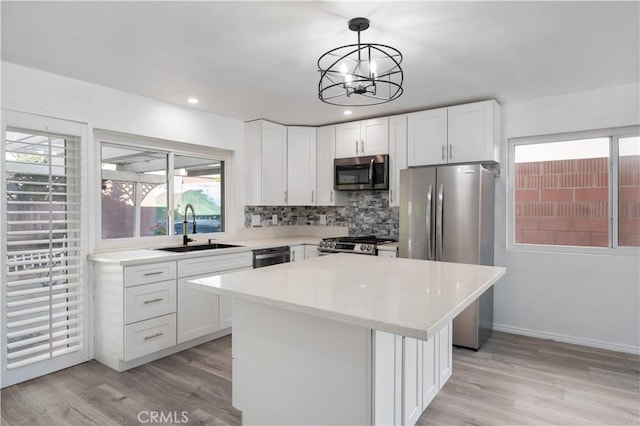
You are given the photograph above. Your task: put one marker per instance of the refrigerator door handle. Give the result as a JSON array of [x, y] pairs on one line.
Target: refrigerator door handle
[[428, 223], [439, 222]]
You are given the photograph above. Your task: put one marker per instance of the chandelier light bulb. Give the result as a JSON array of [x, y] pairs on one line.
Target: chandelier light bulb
[[343, 68], [372, 69]]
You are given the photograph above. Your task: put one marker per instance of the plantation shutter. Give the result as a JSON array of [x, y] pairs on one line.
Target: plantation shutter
[[44, 295]]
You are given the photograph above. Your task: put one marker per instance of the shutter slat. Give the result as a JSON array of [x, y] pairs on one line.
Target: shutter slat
[[13, 284], [22, 323], [38, 329], [41, 300]]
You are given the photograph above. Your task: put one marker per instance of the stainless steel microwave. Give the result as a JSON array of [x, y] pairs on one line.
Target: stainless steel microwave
[[357, 173]]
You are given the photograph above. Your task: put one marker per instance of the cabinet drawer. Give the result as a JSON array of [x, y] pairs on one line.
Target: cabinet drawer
[[148, 301], [216, 263], [145, 337], [144, 274]]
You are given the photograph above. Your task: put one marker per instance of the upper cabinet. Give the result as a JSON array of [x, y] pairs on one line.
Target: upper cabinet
[[301, 163], [467, 133], [265, 163], [325, 154], [367, 137], [397, 155]]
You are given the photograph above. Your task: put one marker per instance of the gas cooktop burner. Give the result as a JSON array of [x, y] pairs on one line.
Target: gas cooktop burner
[[360, 245]]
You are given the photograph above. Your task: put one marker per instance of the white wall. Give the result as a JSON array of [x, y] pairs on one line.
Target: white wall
[[37, 92], [580, 298]]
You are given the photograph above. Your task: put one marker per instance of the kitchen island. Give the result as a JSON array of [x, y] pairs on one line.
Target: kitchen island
[[344, 339]]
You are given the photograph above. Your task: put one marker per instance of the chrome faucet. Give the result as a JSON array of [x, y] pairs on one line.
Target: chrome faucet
[[185, 239]]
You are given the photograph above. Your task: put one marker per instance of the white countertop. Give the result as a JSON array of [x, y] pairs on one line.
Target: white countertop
[[413, 298], [144, 256]]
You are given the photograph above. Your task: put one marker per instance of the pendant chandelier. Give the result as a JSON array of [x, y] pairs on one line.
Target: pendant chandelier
[[360, 74]]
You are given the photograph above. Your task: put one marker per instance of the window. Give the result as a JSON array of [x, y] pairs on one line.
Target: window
[[145, 191], [567, 189], [43, 292]]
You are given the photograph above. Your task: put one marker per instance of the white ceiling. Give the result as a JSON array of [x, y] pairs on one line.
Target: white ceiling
[[249, 60]]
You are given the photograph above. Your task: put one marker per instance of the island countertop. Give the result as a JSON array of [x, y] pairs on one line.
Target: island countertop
[[412, 298]]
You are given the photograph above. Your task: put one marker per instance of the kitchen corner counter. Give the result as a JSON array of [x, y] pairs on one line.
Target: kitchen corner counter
[[413, 298]]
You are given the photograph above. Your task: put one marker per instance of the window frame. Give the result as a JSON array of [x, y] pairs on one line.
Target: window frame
[[172, 148], [613, 134]]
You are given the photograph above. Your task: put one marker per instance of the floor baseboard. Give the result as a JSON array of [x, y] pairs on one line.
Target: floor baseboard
[[568, 339]]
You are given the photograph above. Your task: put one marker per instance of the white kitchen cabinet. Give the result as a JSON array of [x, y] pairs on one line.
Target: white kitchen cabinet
[[310, 251], [430, 370], [297, 253], [468, 133], [412, 380], [397, 155], [445, 342], [366, 137], [474, 132], [407, 375], [388, 253], [325, 154], [427, 137], [198, 312], [145, 312], [301, 164], [388, 379], [201, 313], [265, 163]]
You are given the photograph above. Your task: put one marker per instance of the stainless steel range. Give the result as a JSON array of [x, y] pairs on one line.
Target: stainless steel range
[[358, 245]]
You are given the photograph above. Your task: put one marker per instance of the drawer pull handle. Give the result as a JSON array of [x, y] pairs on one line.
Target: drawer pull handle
[[153, 300], [153, 336], [147, 274]]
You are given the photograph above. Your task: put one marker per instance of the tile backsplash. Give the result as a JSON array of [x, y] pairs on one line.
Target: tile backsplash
[[365, 213]]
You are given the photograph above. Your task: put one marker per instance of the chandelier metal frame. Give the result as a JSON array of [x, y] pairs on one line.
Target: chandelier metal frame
[[351, 70]]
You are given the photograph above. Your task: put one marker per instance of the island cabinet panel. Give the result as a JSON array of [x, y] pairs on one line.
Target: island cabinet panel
[[408, 374], [445, 342], [293, 368], [387, 379], [412, 381], [430, 370]]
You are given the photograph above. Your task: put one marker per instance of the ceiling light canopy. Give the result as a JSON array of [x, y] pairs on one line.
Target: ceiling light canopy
[[360, 74]]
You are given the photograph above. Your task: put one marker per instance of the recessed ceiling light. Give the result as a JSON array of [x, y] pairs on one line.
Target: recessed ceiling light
[[192, 100], [348, 112]]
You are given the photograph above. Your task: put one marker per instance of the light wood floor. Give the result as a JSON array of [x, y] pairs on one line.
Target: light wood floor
[[513, 380]]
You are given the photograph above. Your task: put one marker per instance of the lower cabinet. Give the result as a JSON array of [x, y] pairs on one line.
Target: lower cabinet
[[144, 312], [198, 312], [408, 374], [297, 253], [201, 313], [310, 251]]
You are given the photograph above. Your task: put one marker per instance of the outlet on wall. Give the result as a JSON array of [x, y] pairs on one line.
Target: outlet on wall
[[274, 219], [255, 220], [323, 219]]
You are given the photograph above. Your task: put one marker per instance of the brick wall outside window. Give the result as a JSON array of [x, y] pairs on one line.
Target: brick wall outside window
[[565, 202]]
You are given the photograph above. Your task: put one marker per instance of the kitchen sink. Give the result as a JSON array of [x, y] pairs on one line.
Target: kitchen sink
[[198, 247]]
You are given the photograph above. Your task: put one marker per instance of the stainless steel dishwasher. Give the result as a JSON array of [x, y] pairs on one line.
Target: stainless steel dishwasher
[[271, 256]]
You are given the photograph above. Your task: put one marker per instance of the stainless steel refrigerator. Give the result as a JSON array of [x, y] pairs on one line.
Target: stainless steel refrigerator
[[446, 214]]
